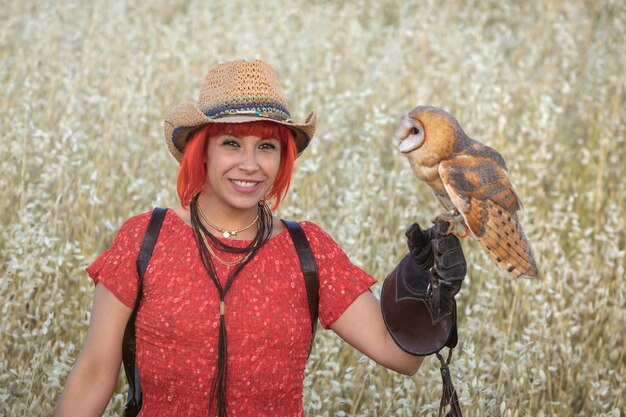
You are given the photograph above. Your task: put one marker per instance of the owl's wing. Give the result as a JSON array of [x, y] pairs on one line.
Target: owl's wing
[[481, 191]]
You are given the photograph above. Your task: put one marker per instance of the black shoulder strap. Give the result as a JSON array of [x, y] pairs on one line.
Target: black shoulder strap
[[149, 240], [128, 343], [309, 270]]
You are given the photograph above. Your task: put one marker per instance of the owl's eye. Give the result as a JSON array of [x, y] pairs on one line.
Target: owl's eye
[[415, 131]]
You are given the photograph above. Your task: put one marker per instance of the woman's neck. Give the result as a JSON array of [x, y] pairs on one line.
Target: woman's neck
[[220, 219]]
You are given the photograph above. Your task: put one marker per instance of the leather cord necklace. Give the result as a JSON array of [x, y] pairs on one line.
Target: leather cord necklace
[[264, 232], [226, 234], [220, 260]]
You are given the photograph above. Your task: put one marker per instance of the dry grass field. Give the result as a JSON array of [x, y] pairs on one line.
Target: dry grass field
[[84, 89]]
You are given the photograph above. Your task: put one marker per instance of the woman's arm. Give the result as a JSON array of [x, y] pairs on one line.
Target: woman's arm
[[362, 326], [90, 384]]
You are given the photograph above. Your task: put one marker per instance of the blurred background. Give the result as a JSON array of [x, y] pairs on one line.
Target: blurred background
[[85, 86]]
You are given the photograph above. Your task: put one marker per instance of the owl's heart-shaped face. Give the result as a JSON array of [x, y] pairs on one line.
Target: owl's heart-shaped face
[[410, 135]]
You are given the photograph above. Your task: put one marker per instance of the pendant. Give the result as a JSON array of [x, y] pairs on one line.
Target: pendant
[[226, 233]]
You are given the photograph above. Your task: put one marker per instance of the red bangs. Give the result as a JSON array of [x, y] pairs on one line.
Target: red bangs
[[192, 174]]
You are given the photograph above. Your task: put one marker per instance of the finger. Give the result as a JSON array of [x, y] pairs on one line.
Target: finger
[[446, 244], [451, 259], [440, 228], [451, 264], [424, 258], [417, 238], [455, 273]]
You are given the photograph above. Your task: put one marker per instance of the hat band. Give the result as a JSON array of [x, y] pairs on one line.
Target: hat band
[[269, 111]]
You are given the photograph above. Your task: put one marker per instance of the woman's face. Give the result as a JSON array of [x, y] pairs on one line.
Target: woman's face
[[240, 170]]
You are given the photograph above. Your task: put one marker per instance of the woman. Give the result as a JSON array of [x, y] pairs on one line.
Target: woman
[[224, 325]]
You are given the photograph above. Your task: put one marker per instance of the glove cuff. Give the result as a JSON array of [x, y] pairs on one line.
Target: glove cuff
[[416, 320]]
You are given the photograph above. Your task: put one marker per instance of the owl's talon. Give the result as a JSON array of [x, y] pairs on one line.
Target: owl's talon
[[457, 223], [464, 234]]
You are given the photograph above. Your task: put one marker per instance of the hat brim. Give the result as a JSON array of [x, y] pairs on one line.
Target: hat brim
[[184, 119]]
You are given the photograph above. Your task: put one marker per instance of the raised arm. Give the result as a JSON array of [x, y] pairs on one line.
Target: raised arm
[[90, 384]]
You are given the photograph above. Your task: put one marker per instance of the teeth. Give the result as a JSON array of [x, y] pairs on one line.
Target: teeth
[[245, 183]]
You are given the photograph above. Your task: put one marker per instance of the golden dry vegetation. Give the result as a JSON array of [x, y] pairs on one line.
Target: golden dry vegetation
[[85, 87]]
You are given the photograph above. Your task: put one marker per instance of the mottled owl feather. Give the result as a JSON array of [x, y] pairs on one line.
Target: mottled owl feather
[[478, 186]]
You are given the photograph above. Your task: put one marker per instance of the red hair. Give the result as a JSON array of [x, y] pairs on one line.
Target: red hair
[[192, 174]]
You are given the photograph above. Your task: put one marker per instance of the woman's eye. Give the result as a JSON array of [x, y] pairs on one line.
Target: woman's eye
[[229, 142], [267, 145]]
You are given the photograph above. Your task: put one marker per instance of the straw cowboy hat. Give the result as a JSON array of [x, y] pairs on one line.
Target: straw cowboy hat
[[235, 92]]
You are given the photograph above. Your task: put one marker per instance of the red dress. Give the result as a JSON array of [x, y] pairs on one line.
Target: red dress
[[267, 317]]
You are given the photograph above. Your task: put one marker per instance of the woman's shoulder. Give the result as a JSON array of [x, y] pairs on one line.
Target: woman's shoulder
[[310, 227], [316, 234], [135, 224]]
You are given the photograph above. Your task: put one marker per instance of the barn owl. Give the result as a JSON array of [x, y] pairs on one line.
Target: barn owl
[[469, 180]]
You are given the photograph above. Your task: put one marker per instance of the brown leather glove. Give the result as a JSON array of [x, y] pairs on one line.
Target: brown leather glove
[[417, 298]]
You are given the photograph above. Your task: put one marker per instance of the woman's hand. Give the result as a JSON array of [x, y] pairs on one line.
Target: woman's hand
[[437, 251], [435, 248], [417, 298]]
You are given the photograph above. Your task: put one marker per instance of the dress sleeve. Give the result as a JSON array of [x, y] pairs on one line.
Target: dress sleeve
[[341, 282], [116, 267]]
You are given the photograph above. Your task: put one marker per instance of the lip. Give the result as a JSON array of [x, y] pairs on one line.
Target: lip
[[245, 189]]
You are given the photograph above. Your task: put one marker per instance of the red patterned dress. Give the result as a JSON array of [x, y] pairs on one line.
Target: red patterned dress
[[267, 318]]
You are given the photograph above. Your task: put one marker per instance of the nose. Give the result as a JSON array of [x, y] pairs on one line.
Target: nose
[[248, 162]]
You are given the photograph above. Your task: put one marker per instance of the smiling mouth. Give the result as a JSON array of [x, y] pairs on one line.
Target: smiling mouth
[[245, 184]]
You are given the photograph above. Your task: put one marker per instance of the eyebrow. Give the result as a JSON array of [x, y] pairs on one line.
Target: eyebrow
[[241, 137]]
